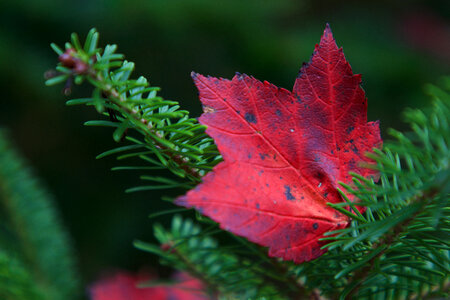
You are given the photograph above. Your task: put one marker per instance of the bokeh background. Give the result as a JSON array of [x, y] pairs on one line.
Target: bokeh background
[[398, 46]]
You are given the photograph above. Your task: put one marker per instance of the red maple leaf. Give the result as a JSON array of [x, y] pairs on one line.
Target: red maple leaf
[[284, 153]]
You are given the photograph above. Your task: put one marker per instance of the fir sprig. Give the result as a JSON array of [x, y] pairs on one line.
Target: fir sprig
[[397, 249], [16, 282], [186, 247], [166, 136], [31, 234]]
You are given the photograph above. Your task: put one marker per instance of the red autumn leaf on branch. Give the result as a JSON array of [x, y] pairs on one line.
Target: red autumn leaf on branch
[[284, 153]]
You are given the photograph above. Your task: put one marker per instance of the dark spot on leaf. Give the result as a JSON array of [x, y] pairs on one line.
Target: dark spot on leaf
[[311, 125], [352, 163], [287, 193], [238, 112], [250, 117]]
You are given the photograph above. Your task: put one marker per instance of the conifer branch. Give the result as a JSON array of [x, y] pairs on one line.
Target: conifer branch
[[114, 97], [388, 240], [397, 248], [178, 142], [38, 238], [192, 269], [16, 282], [227, 275]]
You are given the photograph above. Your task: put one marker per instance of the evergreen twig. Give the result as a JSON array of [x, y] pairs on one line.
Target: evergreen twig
[[386, 242], [176, 141], [399, 248], [39, 241]]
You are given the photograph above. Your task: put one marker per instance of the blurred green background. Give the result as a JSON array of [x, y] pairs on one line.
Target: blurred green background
[[398, 46]]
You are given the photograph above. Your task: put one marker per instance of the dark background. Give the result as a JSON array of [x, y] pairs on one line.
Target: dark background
[[398, 46]]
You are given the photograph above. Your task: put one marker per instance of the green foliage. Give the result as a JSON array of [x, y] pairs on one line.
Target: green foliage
[[167, 137], [16, 283], [186, 247], [398, 248], [31, 229]]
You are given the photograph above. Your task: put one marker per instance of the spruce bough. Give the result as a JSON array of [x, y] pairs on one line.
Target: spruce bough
[[397, 249]]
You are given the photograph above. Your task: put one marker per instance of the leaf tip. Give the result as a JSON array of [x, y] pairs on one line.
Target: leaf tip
[[194, 75], [327, 32], [181, 201], [239, 76]]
